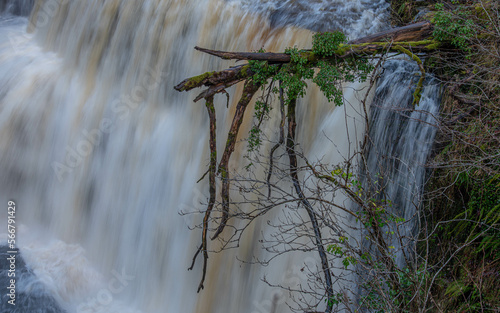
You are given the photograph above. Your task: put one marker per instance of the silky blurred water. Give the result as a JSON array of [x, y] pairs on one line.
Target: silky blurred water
[[101, 154]]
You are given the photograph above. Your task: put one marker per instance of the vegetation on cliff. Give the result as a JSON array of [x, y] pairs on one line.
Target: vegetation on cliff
[[463, 194]]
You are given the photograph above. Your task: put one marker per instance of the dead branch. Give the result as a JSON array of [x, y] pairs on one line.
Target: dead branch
[[212, 188], [413, 32], [290, 147], [409, 40], [249, 90]]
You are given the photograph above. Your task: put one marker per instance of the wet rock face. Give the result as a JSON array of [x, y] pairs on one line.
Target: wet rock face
[[20, 285]]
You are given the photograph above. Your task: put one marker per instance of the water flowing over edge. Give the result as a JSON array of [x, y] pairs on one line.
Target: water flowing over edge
[[401, 140], [110, 90]]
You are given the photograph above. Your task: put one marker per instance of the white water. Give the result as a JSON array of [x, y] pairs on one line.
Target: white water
[[16, 7], [101, 154], [401, 138]]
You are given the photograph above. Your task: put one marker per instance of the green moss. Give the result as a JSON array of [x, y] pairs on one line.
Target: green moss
[[344, 48], [231, 138], [244, 71], [417, 43], [309, 56], [210, 106], [413, 56], [433, 45], [418, 90], [196, 81], [482, 11]]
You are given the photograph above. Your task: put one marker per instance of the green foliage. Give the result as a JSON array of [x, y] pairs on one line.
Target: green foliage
[[332, 73], [348, 257], [262, 110], [482, 215], [454, 26], [339, 251], [293, 75], [456, 288], [350, 260], [262, 70], [330, 76], [348, 178], [335, 249], [325, 44], [254, 140], [327, 79], [465, 295], [410, 285], [409, 288]]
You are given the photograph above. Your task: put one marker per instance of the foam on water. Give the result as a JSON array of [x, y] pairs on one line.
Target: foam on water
[[355, 17]]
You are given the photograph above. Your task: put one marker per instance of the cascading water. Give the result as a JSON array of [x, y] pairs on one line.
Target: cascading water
[[355, 17], [100, 154], [17, 7], [401, 140]]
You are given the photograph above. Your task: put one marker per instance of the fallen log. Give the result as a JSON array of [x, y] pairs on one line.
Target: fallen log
[[409, 39], [411, 33]]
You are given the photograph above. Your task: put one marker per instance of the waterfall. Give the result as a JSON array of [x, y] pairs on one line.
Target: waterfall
[[101, 155], [401, 140], [17, 7]]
